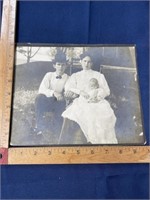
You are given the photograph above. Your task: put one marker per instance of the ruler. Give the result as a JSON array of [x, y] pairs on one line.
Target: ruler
[[79, 155], [6, 67], [46, 155]]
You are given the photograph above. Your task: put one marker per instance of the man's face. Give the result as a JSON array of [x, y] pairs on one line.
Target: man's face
[[60, 68]]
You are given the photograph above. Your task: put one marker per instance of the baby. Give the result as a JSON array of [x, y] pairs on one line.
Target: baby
[[94, 91]]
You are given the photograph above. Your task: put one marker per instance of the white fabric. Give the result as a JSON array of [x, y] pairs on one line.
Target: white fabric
[[79, 81], [51, 84], [97, 120], [95, 95]]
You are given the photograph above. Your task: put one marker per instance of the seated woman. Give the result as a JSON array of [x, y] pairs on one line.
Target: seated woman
[[90, 109]]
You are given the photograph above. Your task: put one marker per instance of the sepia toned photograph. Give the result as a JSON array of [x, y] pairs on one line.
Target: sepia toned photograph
[[76, 95]]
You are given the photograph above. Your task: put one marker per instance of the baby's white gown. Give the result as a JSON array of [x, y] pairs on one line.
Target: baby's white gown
[[97, 120]]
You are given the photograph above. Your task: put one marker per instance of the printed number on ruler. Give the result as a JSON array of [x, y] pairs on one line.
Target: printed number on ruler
[[8, 32]]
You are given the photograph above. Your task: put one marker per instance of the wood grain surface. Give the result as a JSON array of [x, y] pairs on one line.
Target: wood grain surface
[[78, 155], [6, 67]]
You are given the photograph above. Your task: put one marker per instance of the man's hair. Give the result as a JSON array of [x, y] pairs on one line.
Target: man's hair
[[60, 57]]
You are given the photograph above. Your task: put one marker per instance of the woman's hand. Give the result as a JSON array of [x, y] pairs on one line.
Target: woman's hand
[[69, 94], [93, 100], [84, 94]]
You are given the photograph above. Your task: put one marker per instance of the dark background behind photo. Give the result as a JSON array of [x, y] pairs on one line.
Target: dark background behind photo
[[95, 22]]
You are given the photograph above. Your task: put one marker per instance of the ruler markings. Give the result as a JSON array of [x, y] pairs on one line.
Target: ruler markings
[[7, 57], [66, 155]]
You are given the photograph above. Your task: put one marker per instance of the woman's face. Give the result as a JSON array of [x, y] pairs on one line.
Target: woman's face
[[86, 63]]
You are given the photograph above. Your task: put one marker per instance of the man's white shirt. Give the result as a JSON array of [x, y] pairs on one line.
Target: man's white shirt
[[51, 83]]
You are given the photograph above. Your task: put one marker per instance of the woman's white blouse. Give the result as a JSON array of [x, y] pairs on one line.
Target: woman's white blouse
[[79, 82]]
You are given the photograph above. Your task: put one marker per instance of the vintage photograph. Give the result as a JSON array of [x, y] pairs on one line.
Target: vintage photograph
[[76, 95]]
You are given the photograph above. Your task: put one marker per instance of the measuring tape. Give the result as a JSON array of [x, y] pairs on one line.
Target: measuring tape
[[7, 62], [47, 155]]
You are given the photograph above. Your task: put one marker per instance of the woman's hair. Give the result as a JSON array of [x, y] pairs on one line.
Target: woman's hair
[[85, 54]]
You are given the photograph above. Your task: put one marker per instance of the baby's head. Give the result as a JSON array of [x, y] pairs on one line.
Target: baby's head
[[93, 83]]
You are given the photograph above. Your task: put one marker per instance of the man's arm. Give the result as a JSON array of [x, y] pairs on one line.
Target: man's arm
[[45, 87]]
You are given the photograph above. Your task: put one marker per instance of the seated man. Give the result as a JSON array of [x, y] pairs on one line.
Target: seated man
[[50, 96]]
